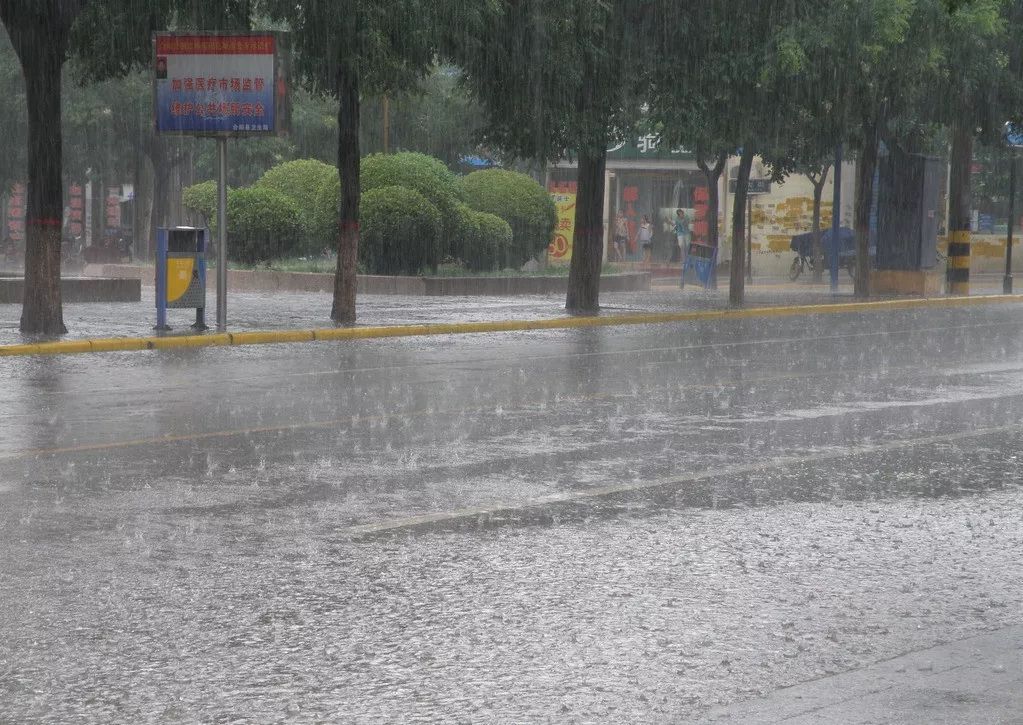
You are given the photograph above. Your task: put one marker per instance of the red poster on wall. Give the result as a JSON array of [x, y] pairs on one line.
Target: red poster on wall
[[113, 214], [76, 209], [14, 225]]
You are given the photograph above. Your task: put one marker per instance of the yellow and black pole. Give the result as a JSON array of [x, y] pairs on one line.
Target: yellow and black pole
[[958, 272]]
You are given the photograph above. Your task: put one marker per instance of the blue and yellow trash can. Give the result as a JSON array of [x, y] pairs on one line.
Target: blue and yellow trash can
[[181, 273]]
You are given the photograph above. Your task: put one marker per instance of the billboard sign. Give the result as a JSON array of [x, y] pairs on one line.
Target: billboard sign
[[221, 84]]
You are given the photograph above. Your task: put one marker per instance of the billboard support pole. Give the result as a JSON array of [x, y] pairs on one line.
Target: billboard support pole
[[836, 219], [1007, 279], [222, 234]]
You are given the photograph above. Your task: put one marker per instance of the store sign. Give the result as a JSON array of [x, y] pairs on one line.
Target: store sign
[[560, 249], [756, 186], [231, 85], [648, 146]]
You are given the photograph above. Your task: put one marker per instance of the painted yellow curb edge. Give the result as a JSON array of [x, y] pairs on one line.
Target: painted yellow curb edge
[[234, 339]]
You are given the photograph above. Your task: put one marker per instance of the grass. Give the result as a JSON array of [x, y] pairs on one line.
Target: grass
[[327, 266]]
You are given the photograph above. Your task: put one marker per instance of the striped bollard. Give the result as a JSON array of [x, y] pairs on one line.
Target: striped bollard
[[958, 272]]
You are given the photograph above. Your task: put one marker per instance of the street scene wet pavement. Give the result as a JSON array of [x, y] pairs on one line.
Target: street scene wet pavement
[[622, 524]]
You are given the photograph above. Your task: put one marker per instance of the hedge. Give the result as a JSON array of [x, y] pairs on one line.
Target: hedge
[[202, 199], [481, 240], [301, 181], [262, 224], [400, 231], [421, 173], [520, 201]]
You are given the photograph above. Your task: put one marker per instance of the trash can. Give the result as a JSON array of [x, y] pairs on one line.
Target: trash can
[[181, 273]]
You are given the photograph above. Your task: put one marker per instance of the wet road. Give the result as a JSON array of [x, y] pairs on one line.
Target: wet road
[[586, 525]]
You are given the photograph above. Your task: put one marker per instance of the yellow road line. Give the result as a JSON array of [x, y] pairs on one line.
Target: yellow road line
[[121, 344], [601, 492], [425, 412]]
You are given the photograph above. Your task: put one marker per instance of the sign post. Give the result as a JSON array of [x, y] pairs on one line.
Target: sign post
[[755, 187], [836, 218], [1014, 137], [221, 86]]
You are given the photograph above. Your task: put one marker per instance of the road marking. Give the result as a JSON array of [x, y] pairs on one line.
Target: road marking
[[423, 412], [594, 494], [228, 339], [468, 362]]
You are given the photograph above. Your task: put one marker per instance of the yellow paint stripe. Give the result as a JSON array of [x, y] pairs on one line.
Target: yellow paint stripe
[[960, 236], [959, 262], [428, 412], [590, 495], [120, 344]]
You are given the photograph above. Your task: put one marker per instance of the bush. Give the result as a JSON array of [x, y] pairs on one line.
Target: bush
[[481, 240], [400, 231], [520, 201], [324, 220], [498, 235], [262, 224], [421, 173], [202, 199], [301, 181]]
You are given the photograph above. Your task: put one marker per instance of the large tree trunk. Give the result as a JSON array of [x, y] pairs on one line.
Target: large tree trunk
[[737, 271], [42, 311], [958, 272], [865, 168], [345, 279], [587, 249], [713, 175], [39, 34]]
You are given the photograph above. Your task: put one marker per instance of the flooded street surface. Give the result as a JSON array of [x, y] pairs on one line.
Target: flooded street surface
[[620, 524]]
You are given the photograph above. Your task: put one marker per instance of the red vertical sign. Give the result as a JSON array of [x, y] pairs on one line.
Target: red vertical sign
[[15, 223], [76, 209]]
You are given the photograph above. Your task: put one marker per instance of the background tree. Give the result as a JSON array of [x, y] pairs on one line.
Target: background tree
[[543, 97], [349, 49], [39, 31], [711, 92]]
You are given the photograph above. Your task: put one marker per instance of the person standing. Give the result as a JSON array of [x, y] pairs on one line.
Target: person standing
[[682, 234], [621, 236], [646, 239]]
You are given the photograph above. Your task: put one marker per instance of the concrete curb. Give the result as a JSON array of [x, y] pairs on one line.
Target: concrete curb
[[239, 280], [229, 339], [75, 290]]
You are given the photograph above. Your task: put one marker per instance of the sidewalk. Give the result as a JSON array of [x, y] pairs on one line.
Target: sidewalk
[[975, 680]]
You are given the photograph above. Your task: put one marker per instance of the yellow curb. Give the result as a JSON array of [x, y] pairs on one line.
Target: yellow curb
[[269, 337]]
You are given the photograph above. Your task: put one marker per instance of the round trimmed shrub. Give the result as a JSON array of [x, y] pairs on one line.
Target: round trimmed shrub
[[520, 201], [497, 236], [262, 224], [324, 217], [481, 240], [202, 199], [400, 231], [419, 172], [301, 181]]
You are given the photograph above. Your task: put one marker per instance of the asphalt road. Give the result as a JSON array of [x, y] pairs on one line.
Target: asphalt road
[[620, 524]]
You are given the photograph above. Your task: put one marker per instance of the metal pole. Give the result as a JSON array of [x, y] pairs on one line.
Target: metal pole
[[749, 237], [1007, 280], [222, 235], [836, 218]]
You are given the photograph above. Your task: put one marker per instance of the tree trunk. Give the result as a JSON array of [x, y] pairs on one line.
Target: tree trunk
[[42, 311], [737, 271], [865, 168], [587, 249], [345, 279], [958, 272], [818, 247], [713, 174]]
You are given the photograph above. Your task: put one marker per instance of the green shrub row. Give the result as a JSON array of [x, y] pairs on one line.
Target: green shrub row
[[414, 214]]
